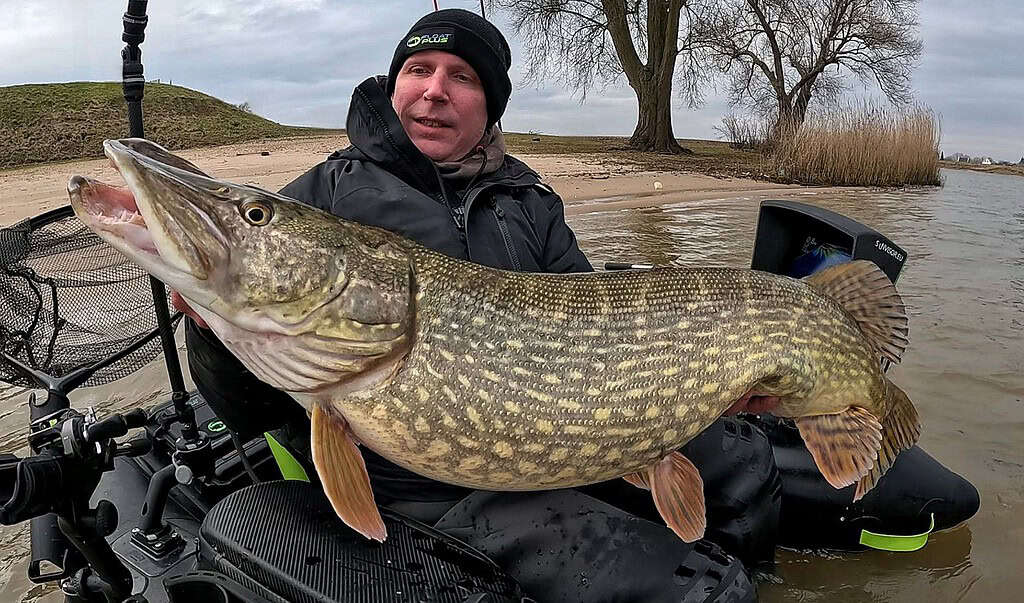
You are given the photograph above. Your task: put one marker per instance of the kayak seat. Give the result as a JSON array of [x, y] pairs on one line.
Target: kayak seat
[[283, 541]]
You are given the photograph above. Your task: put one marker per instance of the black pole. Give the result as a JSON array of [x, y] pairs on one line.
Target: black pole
[[132, 79], [134, 82], [100, 557]]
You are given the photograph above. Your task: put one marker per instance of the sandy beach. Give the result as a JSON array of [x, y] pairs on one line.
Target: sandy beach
[[585, 182]]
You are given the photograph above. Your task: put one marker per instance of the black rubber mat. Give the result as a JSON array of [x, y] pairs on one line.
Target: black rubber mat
[[284, 537]]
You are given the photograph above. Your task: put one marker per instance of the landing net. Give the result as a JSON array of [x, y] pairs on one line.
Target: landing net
[[69, 300]]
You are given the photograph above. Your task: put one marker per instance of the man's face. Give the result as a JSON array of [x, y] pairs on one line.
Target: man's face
[[441, 103]]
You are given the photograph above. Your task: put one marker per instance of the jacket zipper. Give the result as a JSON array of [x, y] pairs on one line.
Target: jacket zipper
[[499, 215], [457, 212]]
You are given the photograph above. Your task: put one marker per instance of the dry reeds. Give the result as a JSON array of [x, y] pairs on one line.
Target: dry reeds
[[859, 145]]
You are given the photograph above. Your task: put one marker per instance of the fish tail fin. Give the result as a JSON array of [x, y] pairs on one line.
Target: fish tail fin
[[901, 428], [867, 294]]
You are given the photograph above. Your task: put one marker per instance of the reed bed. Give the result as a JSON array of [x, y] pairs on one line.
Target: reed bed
[[859, 145]]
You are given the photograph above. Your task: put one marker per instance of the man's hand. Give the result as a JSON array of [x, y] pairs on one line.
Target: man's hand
[[181, 305]]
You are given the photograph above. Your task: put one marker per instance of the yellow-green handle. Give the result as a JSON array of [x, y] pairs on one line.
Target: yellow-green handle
[[899, 544], [288, 464]]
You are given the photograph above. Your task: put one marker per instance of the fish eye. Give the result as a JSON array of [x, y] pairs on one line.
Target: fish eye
[[257, 213]]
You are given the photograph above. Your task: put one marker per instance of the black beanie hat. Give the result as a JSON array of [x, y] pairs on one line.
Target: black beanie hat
[[470, 37]]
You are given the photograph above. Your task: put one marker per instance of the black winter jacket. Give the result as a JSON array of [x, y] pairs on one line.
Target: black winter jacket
[[505, 219], [511, 220]]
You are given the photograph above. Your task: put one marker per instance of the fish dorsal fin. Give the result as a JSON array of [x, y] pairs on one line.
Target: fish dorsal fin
[[343, 474], [678, 494], [900, 429], [844, 445], [867, 294]]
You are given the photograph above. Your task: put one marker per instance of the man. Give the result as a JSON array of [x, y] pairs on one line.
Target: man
[[428, 161]]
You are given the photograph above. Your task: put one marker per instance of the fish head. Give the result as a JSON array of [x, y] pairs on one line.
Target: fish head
[[257, 266]]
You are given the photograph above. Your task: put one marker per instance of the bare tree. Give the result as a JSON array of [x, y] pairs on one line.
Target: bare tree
[[779, 54], [588, 42]]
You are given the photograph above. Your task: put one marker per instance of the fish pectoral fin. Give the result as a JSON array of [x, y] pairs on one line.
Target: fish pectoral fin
[[844, 445], [679, 495], [900, 430], [343, 474], [638, 479]]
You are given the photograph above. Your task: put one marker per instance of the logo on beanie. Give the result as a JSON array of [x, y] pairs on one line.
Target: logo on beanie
[[435, 39]]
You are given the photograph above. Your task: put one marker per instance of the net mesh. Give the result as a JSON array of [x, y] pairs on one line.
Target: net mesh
[[70, 300]]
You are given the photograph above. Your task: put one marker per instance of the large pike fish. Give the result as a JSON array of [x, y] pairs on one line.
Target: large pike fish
[[508, 381]]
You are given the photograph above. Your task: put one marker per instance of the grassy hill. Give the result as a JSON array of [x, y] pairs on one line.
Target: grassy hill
[[54, 122]]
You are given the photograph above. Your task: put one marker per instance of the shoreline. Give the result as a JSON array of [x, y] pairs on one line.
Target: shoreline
[[1016, 169], [587, 182]]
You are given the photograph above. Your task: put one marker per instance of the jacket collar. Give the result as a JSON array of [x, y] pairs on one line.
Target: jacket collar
[[374, 130]]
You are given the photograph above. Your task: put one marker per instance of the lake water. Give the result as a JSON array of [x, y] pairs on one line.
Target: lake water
[[964, 286]]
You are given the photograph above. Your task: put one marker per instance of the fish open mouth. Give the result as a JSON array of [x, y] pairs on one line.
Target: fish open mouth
[[154, 219], [112, 209]]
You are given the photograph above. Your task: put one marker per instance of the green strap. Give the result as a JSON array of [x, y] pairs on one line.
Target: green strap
[[286, 462], [898, 544]]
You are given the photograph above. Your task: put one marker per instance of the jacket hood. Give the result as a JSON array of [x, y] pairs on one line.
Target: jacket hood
[[377, 135]]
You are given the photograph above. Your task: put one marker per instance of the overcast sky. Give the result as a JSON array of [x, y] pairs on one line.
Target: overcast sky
[[296, 62]]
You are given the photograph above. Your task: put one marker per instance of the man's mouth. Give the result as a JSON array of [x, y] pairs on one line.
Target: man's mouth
[[431, 123]]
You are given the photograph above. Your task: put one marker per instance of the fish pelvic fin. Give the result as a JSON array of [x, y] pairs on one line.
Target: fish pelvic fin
[[343, 474], [867, 294], [900, 430], [844, 445], [638, 479], [678, 494]]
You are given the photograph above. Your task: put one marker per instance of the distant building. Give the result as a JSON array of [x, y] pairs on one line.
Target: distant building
[[986, 161]]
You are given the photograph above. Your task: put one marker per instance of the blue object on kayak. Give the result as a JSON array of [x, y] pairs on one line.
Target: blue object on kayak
[[817, 257]]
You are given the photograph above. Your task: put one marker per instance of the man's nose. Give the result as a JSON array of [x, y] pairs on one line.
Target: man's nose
[[437, 88]]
